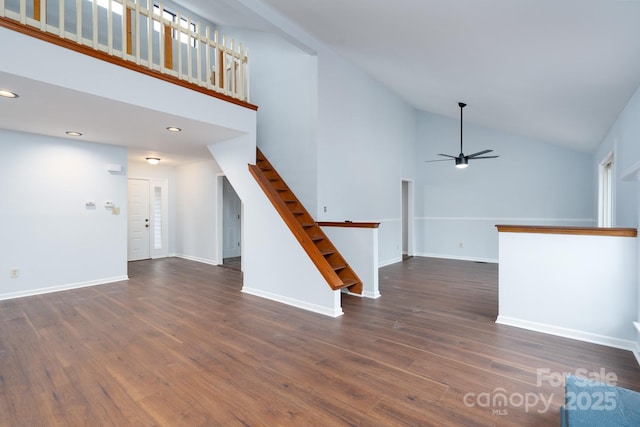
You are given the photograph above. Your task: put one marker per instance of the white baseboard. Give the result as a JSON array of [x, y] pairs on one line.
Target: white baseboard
[[459, 258], [365, 294], [197, 259], [294, 302], [389, 262], [371, 294], [60, 288], [636, 352], [569, 333]]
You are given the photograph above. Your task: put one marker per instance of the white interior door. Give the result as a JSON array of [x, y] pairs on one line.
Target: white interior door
[[138, 221], [232, 208]]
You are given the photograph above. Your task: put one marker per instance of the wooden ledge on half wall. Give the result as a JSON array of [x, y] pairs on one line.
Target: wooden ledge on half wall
[[585, 231], [350, 224]]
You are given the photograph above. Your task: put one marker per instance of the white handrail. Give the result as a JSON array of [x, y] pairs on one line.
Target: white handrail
[[195, 56]]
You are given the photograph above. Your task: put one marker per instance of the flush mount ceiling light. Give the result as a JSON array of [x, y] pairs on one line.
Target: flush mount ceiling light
[[73, 133], [461, 160], [174, 129], [8, 94], [153, 160]]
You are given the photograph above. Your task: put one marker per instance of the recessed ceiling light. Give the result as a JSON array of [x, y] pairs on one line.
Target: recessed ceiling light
[[73, 133], [174, 129], [153, 160], [8, 94]]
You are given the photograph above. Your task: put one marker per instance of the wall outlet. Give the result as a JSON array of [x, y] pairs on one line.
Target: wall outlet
[[14, 273]]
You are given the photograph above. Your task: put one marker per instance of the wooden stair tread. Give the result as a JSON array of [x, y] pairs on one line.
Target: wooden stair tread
[[349, 282], [320, 249], [337, 267]]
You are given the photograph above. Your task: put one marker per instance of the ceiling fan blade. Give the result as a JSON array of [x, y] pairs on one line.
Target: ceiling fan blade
[[479, 153], [483, 157], [438, 160], [447, 155]]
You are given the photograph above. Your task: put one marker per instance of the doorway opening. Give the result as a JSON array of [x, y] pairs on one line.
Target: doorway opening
[[605, 191], [407, 218], [231, 226]]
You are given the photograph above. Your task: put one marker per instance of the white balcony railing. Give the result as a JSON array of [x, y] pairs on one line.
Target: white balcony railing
[[144, 33]]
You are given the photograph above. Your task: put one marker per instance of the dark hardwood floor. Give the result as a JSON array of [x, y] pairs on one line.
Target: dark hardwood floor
[[180, 345]]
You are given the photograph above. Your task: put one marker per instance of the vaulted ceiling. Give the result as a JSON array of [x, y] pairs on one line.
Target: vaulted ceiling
[[556, 70]]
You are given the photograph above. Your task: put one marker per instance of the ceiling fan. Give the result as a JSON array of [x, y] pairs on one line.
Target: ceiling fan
[[461, 160]]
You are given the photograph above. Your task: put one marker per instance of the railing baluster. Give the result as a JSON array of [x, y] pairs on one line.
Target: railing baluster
[[207, 56], [246, 76], [95, 25], [218, 66], [23, 12], [163, 38], [125, 45], [138, 32], [241, 73], [61, 31], [233, 68], [189, 49], [43, 15], [110, 27], [150, 39], [223, 65], [179, 41], [78, 19], [216, 60]]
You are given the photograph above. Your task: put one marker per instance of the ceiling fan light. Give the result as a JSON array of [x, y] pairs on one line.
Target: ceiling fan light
[[462, 162]]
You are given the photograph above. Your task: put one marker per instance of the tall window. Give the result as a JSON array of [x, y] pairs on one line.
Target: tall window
[[170, 16], [605, 192], [157, 218], [115, 6]]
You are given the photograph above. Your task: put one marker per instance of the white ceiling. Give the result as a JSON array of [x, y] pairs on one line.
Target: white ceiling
[[556, 70], [51, 110]]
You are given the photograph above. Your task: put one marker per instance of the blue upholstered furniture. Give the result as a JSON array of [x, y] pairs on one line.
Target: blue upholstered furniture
[[592, 403]]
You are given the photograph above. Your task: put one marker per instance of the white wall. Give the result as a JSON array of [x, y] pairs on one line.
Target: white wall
[[582, 296], [77, 72], [531, 183], [366, 146], [196, 212], [284, 85], [337, 137], [274, 264], [624, 140], [48, 233]]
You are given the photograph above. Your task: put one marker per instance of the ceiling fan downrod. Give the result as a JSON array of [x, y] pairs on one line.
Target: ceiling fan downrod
[[461, 105]]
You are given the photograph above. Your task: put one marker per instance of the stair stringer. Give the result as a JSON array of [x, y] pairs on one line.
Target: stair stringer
[[275, 266]]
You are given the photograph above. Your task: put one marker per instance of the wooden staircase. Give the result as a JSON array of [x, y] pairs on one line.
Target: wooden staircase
[[321, 251]]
